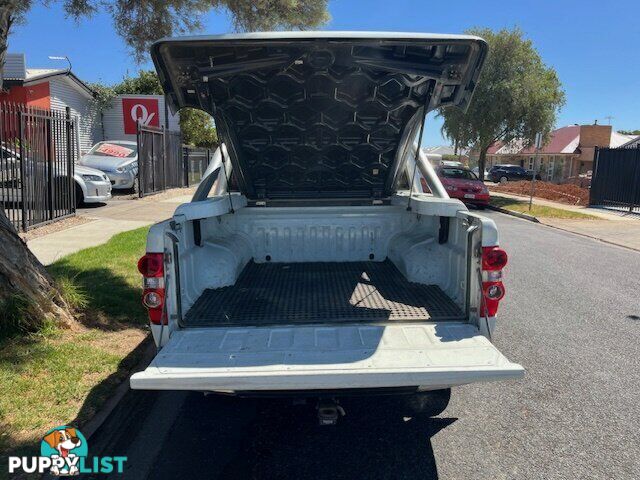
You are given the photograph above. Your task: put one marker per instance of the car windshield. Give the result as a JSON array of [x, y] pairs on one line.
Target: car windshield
[[109, 149], [462, 173]]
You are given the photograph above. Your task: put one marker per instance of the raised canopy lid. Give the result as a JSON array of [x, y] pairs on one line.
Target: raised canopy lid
[[318, 114]]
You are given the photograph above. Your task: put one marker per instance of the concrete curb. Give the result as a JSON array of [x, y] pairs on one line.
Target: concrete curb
[[90, 427], [524, 216]]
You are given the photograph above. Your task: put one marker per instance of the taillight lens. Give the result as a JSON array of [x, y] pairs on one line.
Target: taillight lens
[[494, 259], [151, 266], [153, 299]]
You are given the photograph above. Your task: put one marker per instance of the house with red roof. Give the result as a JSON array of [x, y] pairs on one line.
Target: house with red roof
[[568, 153]]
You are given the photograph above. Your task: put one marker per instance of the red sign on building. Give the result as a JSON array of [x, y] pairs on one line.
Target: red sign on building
[[143, 110]]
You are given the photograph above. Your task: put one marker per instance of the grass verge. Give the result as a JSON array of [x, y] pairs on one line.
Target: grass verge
[[63, 376], [539, 211]]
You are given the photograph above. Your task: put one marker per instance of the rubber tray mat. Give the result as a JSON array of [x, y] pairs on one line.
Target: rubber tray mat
[[300, 293]]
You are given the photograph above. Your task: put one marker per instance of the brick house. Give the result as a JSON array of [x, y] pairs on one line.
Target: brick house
[[568, 153]]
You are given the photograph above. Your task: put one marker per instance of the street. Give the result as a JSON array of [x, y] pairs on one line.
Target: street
[[571, 317]]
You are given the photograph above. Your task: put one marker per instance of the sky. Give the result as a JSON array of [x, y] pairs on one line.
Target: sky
[[594, 46]]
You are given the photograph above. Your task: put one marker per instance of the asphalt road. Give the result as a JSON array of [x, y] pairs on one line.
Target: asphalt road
[[571, 317]]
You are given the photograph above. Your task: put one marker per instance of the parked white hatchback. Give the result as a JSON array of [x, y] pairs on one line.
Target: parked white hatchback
[[118, 159]]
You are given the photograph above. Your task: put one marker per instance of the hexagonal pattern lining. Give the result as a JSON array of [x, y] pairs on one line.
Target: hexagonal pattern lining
[[314, 119]]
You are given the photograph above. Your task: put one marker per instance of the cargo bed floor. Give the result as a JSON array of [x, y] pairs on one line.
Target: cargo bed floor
[[302, 293]]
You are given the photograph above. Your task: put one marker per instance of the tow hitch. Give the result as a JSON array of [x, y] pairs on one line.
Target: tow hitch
[[329, 411]]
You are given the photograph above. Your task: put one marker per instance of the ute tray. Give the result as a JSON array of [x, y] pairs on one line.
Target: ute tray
[[306, 293]]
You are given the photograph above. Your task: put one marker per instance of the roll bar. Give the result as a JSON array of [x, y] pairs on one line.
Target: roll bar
[[426, 170]]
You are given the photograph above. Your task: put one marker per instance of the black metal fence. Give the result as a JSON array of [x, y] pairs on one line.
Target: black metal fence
[[196, 161], [616, 178], [159, 160], [37, 157], [163, 162]]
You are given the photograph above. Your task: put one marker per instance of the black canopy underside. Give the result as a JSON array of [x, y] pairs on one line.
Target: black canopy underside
[[318, 118]]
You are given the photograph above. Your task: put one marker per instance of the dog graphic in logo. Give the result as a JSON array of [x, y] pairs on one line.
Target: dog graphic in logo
[[64, 445]]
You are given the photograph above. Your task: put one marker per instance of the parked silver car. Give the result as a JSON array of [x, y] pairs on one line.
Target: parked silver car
[[118, 159], [92, 186]]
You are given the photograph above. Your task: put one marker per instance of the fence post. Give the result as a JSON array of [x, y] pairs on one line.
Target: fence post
[[23, 172], [594, 176], [164, 158], [49, 141], [185, 158], [72, 190], [636, 181], [140, 162]]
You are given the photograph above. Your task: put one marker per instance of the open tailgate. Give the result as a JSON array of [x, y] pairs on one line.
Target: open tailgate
[[435, 355]]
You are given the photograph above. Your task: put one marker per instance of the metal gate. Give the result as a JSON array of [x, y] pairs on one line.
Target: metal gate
[[616, 179], [163, 162], [160, 162], [37, 157]]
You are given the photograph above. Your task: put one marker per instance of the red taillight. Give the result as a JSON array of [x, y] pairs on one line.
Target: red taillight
[[151, 266], [494, 259]]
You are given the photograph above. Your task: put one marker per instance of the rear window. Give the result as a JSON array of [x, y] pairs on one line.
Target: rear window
[[462, 173], [106, 149]]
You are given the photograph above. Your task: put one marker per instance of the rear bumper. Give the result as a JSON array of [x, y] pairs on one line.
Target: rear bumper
[[479, 198]]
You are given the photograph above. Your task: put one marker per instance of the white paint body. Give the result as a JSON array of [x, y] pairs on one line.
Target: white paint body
[[429, 355]]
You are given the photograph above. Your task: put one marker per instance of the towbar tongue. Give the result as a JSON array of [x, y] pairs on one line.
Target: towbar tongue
[[329, 410]]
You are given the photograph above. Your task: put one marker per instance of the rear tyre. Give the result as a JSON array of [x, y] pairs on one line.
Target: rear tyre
[[503, 179], [431, 403]]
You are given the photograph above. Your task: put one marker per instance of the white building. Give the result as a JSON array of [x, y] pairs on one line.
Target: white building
[[58, 89]]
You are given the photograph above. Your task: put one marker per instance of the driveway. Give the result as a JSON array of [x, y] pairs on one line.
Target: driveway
[[571, 317]]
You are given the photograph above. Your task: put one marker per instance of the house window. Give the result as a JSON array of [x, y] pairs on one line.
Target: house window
[[531, 162], [550, 168]]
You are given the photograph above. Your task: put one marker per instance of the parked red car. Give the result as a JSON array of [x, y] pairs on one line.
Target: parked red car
[[463, 184]]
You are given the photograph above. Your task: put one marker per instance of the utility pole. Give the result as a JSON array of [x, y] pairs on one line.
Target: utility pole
[[535, 164]]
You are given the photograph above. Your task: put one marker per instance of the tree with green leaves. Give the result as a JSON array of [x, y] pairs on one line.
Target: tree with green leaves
[[629, 132], [197, 128], [141, 22], [516, 97], [28, 294]]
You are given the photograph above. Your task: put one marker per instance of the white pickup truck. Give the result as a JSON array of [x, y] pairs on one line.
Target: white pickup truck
[[321, 256]]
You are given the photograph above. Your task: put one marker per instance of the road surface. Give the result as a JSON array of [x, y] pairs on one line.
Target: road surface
[[571, 317]]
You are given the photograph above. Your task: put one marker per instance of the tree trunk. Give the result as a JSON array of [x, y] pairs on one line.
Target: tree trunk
[[22, 276], [7, 9], [482, 161]]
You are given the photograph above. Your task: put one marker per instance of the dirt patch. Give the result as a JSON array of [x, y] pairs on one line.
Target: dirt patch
[[55, 227], [565, 193]]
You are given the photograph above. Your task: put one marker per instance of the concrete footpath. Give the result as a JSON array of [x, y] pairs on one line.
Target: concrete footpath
[[615, 227], [106, 221]]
